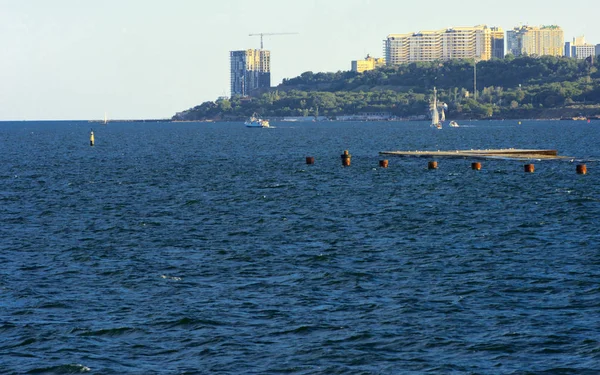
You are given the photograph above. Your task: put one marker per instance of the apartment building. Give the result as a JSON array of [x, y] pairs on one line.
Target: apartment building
[[479, 41], [579, 49], [497, 41], [535, 41], [250, 70], [369, 63]]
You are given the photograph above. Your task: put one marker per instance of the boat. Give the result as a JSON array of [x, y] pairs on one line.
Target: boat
[[454, 124], [255, 122], [105, 119], [435, 116]]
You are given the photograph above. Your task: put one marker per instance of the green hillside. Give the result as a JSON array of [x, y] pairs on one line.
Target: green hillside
[[524, 87]]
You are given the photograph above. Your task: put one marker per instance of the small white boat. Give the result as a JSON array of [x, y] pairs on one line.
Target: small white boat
[[255, 122], [454, 124]]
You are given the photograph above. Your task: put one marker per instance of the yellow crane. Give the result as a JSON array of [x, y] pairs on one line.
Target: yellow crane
[[268, 34]]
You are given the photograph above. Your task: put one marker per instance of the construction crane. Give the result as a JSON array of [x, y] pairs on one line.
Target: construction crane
[[267, 34]]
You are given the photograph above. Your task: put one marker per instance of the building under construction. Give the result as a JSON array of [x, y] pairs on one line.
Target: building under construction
[[250, 70]]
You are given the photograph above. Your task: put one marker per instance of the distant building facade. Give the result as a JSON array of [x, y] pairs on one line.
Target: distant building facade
[[453, 43], [579, 49], [535, 41], [250, 70], [369, 63], [497, 41]]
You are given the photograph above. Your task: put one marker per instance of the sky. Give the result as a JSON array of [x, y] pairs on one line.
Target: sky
[[148, 59]]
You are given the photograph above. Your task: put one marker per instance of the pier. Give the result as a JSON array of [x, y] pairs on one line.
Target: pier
[[510, 153]]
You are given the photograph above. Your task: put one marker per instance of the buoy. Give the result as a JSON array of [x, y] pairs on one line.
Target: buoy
[[346, 158], [92, 138], [519, 122], [432, 165], [581, 169], [476, 166], [529, 168], [310, 160], [383, 163]]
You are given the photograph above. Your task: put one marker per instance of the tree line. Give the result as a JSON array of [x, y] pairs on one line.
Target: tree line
[[521, 87]]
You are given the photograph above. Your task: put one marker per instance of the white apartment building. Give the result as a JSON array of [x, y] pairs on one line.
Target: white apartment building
[[579, 49], [452, 43]]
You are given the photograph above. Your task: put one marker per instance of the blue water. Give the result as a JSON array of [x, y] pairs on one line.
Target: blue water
[[189, 248]]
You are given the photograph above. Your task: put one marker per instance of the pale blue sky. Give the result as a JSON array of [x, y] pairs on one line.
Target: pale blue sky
[[76, 59]]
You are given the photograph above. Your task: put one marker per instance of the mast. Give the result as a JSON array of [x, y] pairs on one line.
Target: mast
[[434, 112]]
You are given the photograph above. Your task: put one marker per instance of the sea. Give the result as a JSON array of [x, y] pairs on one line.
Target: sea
[[212, 248]]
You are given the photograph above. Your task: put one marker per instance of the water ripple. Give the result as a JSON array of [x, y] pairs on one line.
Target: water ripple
[[162, 250]]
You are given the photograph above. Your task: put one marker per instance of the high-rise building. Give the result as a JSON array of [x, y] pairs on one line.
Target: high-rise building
[[497, 35], [369, 63], [535, 41], [579, 49], [250, 70], [568, 49], [514, 44], [453, 43]]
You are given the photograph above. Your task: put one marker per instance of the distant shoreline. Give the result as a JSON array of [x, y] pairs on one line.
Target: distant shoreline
[[100, 122], [277, 119]]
